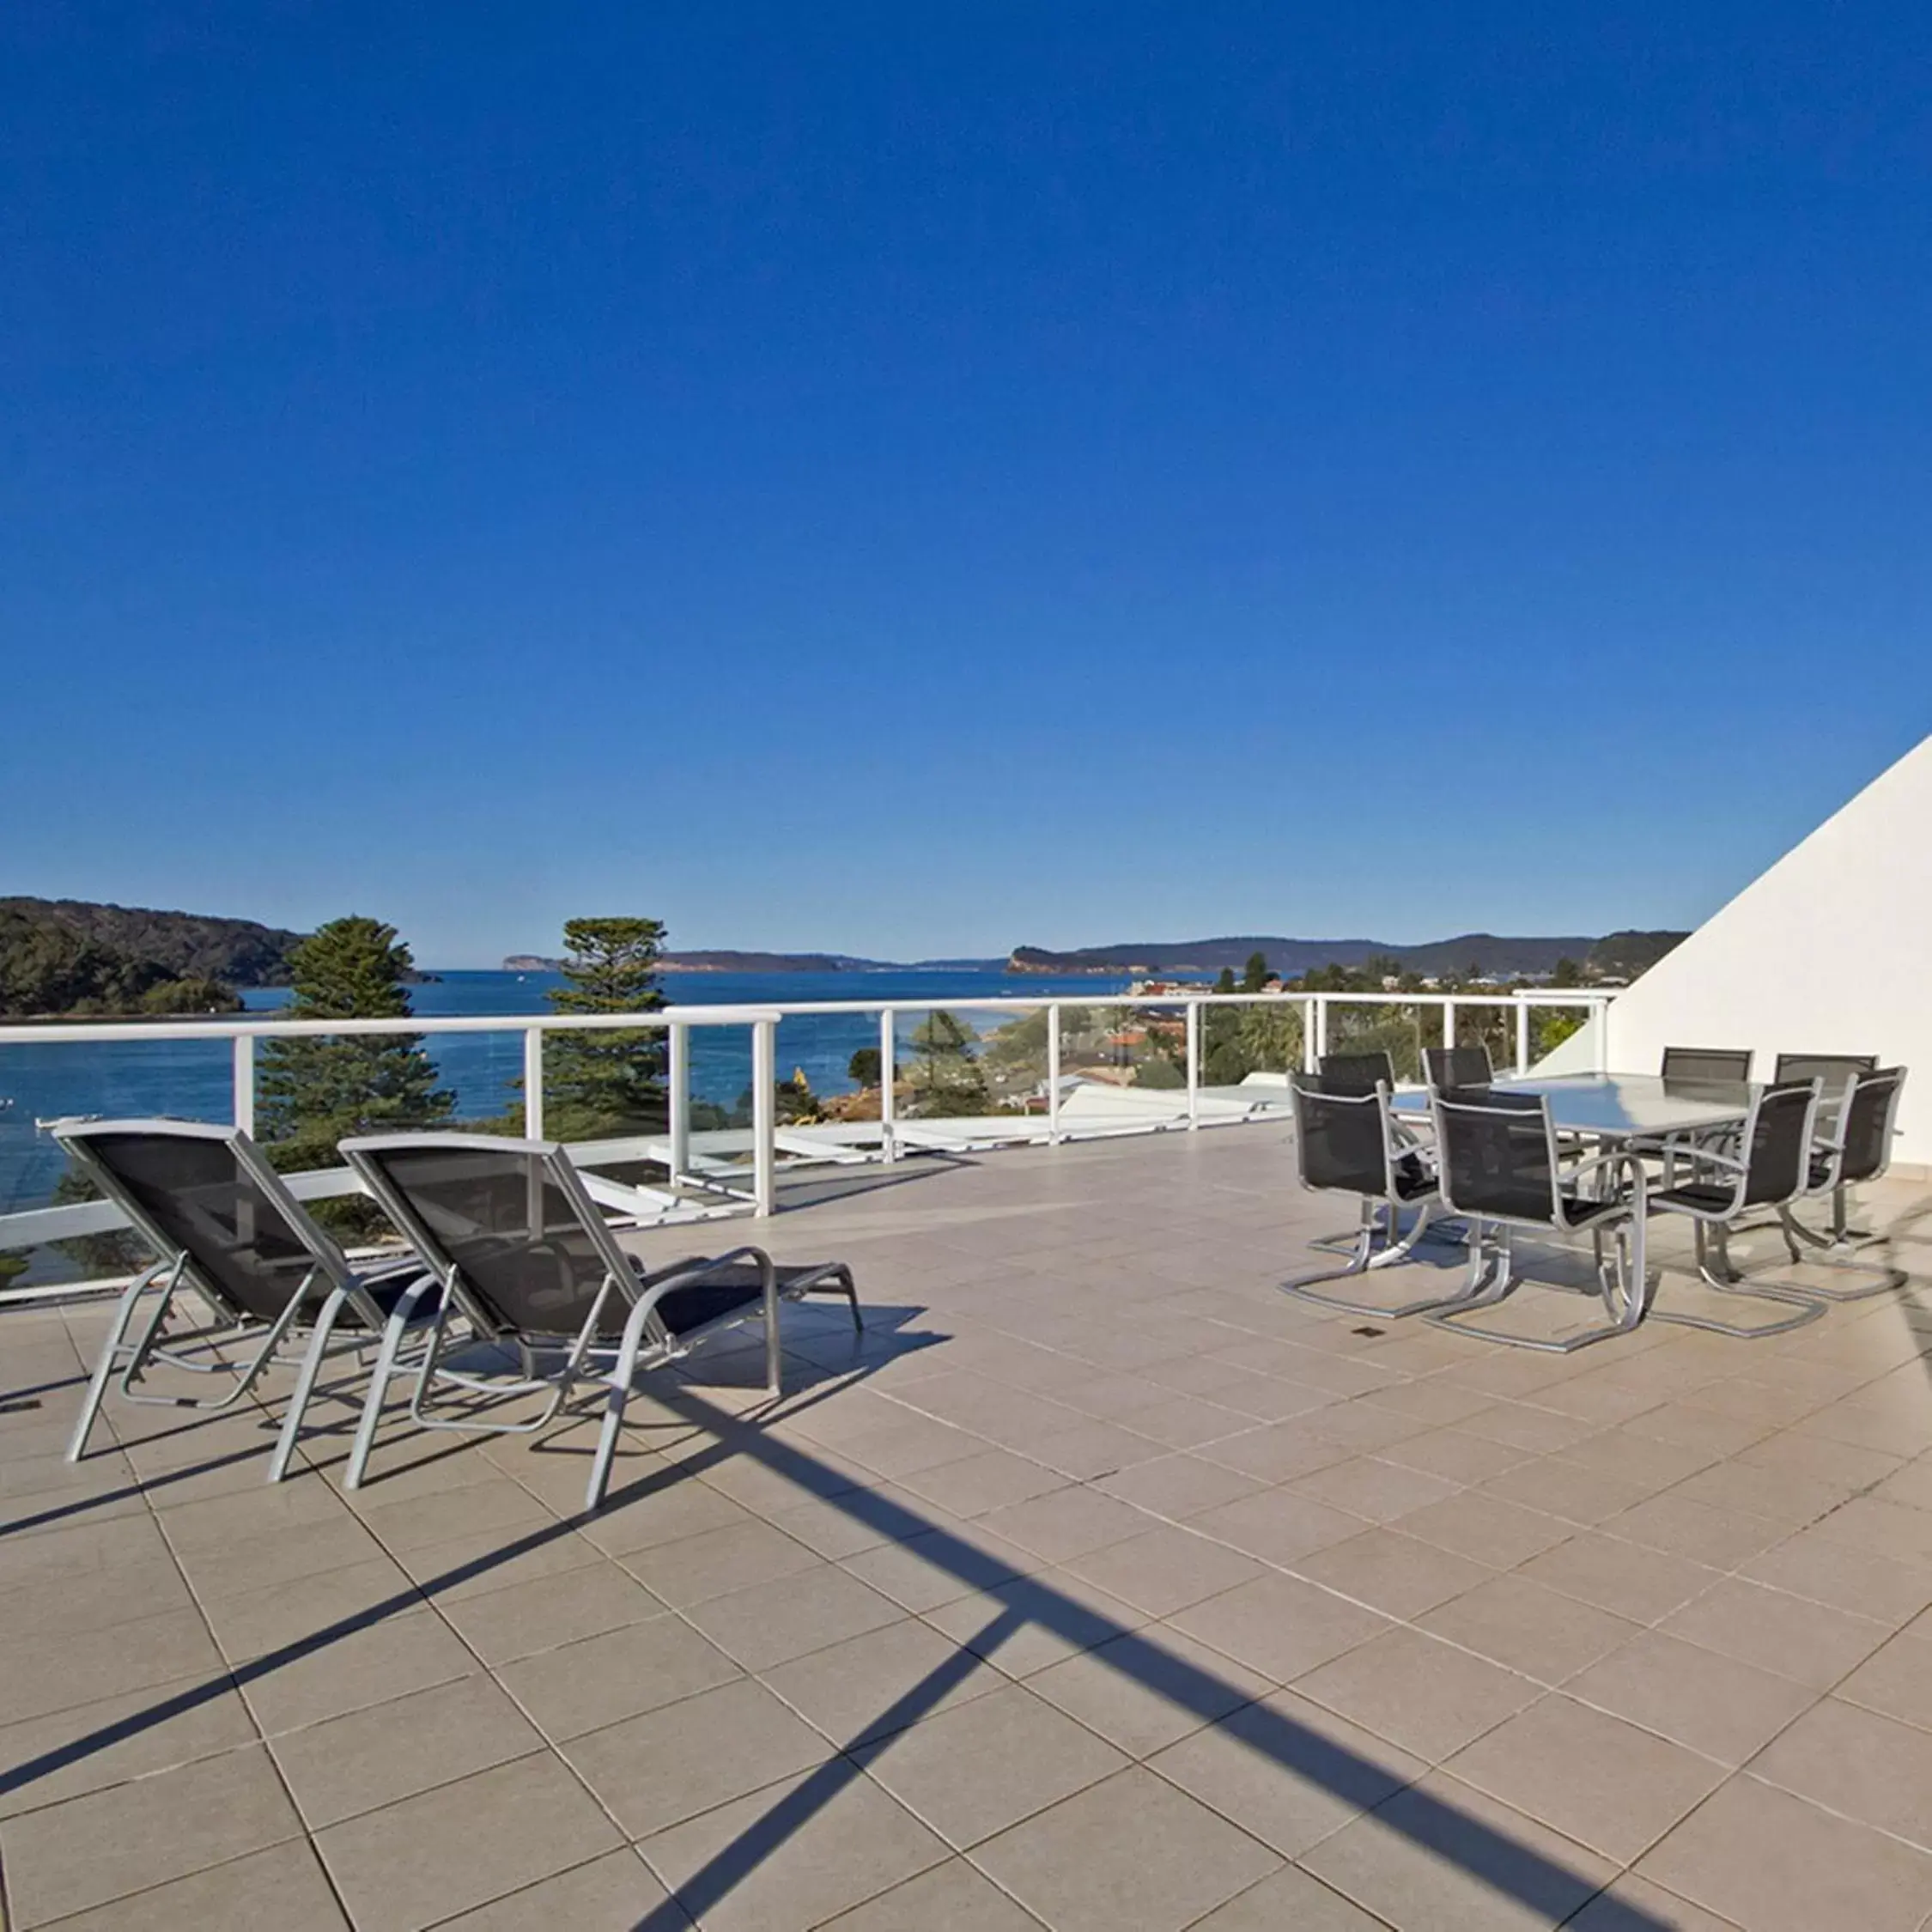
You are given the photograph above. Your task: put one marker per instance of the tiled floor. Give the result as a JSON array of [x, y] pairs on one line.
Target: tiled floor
[[1099, 1586]]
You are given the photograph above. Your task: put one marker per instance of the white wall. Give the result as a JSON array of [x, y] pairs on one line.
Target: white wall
[[1829, 951]]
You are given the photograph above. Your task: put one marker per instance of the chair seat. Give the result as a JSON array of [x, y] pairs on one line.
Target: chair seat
[[1579, 1212], [385, 1289], [1412, 1178], [1697, 1198]]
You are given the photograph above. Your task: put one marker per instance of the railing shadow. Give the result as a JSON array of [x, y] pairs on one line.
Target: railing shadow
[[1510, 1869]]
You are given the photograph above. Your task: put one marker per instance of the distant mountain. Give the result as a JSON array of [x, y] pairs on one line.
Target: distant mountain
[[190, 945], [1503, 956]]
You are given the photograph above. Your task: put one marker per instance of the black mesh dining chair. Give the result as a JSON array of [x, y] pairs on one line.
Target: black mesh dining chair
[[1499, 1163], [1854, 1147], [1358, 1073], [1457, 1066], [525, 1258], [1716, 1065], [1348, 1141], [230, 1235], [1766, 1165]]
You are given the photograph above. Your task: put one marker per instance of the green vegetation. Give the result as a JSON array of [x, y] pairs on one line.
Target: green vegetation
[[944, 1074], [601, 1083], [185, 946], [317, 1091], [50, 967]]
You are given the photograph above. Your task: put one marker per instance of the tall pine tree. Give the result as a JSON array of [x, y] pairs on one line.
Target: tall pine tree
[[317, 1091], [606, 1081]]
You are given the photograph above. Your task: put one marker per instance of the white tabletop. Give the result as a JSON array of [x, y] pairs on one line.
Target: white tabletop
[[1622, 1106]]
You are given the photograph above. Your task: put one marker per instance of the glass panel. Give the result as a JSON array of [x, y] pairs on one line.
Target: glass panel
[[1401, 1031], [940, 1074], [1550, 1026], [1122, 1065], [1250, 1036], [1014, 1060], [1490, 1027]]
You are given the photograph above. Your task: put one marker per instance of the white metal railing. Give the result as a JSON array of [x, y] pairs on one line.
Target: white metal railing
[[695, 1157]]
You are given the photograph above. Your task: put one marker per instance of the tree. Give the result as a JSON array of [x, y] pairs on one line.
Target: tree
[[599, 1082], [1256, 974], [946, 1075], [864, 1067], [319, 1091], [1568, 972], [1225, 983]]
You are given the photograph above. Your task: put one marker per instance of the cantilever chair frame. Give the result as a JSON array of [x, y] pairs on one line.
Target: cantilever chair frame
[[343, 1288], [1710, 1225], [1624, 1287], [646, 1342], [1838, 1245], [1379, 1242]]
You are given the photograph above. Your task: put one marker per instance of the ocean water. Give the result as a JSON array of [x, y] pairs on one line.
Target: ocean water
[[192, 1078]]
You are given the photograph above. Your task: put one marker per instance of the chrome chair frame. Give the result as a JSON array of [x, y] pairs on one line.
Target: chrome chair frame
[[1838, 1245], [343, 1290]]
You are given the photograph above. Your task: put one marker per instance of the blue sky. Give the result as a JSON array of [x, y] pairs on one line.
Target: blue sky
[[920, 480]]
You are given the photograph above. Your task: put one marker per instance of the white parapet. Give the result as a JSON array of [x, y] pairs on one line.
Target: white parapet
[[1828, 952]]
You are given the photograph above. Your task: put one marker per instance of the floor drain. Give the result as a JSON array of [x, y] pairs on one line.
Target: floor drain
[[1368, 1330]]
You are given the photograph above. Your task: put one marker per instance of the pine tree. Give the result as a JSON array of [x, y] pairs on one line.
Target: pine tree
[[317, 1091], [599, 1082]]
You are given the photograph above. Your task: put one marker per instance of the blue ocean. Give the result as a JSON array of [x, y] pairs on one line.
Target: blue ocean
[[193, 1077]]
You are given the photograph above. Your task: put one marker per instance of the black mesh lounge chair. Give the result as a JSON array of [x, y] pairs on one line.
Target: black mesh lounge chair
[[1857, 1148], [1457, 1066], [524, 1255], [1498, 1163], [226, 1228], [1765, 1164], [1711, 1066], [1348, 1141]]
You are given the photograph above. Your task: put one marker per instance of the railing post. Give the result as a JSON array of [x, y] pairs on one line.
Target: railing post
[[533, 1083], [245, 1083], [888, 1057], [1310, 1047], [1193, 1065], [1321, 1030], [1522, 1035], [1600, 1011], [1448, 1022], [1053, 1076], [764, 1116], [680, 1122]]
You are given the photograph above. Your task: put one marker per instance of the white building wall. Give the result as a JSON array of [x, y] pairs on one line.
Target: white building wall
[[1828, 952]]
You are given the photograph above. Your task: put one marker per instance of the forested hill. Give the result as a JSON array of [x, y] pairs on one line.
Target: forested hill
[[1623, 955], [190, 945]]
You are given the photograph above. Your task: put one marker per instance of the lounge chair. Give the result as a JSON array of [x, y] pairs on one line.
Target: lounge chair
[[525, 1257], [226, 1228]]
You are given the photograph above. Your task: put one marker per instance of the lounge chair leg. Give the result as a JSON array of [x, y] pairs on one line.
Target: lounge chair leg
[[612, 1426], [305, 1385], [380, 1378], [104, 1369], [774, 1354]]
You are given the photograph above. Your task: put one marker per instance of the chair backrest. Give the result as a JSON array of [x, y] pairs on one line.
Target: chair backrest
[[1496, 1154], [506, 1225], [1870, 1116], [1717, 1064], [1777, 1144], [1457, 1066], [1833, 1072], [1357, 1073], [1342, 1136], [204, 1196]]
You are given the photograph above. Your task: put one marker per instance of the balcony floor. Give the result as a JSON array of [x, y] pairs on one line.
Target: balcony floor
[[1100, 1587]]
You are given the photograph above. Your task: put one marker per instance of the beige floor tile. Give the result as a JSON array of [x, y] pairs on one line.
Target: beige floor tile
[[1288, 1897], [1378, 1490], [870, 1685], [618, 1674], [972, 1771], [72, 1604], [434, 1855], [1487, 1529], [1528, 1628], [1594, 1778], [989, 1481], [1772, 1863], [283, 1886], [1277, 1453], [1280, 1626], [287, 1690], [1566, 1490], [1034, 1622], [1722, 1537], [1713, 1703], [1634, 1905], [1897, 1680], [131, 1837], [1422, 1695], [505, 1625], [771, 1623], [352, 1765], [1400, 1575], [1458, 1456], [284, 1555], [1278, 1526], [1869, 1766], [1442, 1857], [1813, 1564], [44, 1674], [926, 1572], [1089, 1450], [293, 1613], [795, 1854], [1287, 1771], [1807, 1642], [665, 1765], [695, 1568], [1130, 1854], [1068, 1523], [1165, 1569], [614, 1894], [89, 1747], [1143, 1692], [953, 1896], [476, 1565], [1180, 1486], [681, 1508], [1623, 1578]]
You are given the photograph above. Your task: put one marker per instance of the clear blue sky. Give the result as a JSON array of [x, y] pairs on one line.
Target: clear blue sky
[[917, 479]]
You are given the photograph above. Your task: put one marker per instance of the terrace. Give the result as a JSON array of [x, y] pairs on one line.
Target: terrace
[[1097, 1585]]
